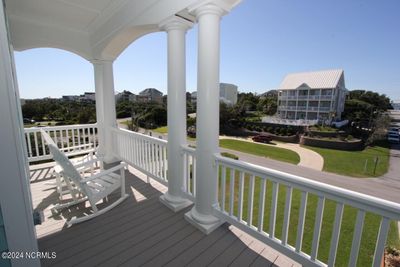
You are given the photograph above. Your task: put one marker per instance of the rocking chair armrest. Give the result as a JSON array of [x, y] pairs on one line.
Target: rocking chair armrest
[[105, 172], [86, 163], [88, 146]]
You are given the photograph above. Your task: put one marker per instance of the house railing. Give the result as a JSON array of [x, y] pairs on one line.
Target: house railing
[[145, 153], [189, 176], [251, 197], [72, 139]]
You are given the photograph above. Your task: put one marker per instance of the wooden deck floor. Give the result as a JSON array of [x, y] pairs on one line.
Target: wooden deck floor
[[139, 232]]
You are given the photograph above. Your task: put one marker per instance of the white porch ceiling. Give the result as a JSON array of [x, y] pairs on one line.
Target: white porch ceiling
[[94, 29]]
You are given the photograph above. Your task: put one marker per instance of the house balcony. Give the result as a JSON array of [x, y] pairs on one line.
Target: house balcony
[[265, 213]]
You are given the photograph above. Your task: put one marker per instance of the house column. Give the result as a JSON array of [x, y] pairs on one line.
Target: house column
[[105, 107], [207, 119], [176, 31]]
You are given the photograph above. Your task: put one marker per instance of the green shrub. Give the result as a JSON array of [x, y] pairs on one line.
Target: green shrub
[[229, 155]]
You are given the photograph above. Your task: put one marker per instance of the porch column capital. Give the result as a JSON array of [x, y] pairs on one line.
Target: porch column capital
[[175, 23], [216, 7], [101, 61]]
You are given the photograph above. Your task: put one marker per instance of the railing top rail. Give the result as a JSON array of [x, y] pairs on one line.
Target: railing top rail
[[139, 135], [368, 203], [62, 127], [188, 149]]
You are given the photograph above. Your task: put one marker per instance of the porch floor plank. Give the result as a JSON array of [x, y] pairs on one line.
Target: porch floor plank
[[139, 232]]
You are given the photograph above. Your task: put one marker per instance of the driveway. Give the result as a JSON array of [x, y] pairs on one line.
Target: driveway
[[308, 158]]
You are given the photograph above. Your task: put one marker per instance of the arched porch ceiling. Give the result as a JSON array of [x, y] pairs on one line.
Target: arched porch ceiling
[[93, 29]]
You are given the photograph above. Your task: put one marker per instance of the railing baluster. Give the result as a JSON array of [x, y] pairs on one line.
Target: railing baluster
[[261, 203], [317, 227], [43, 145], [36, 144], [55, 133], [73, 136], [302, 216], [335, 234], [79, 137], [355, 246], [28, 137], [136, 150], [153, 159], [250, 201], [240, 201], [274, 203], [67, 138], [165, 162], [286, 216], [194, 175], [61, 138], [147, 157], [380, 242], [231, 190], [223, 185], [141, 153], [187, 164]]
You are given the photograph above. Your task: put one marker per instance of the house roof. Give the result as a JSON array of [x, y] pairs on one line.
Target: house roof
[[150, 91], [315, 79]]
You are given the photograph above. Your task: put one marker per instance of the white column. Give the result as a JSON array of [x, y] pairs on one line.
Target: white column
[[176, 29], [15, 195], [105, 107], [207, 121]]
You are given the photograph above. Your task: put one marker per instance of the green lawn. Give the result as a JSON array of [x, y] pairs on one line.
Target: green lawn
[[127, 122], [370, 229], [162, 130], [272, 152], [352, 163]]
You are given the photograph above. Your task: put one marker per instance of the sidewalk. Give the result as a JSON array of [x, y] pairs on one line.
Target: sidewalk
[[308, 158]]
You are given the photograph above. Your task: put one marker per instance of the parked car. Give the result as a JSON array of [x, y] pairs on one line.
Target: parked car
[[393, 137], [262, 138], [26, 120], [393, 130]]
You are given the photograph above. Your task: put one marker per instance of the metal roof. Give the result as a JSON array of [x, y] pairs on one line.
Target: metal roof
[[315, 79]]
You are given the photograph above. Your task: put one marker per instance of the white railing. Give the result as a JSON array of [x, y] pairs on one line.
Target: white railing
[[326, 97], [245, 203], [72, 139], [189, 160], [145, 153]]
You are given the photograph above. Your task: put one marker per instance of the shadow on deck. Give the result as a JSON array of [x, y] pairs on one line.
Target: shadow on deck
[[139, 232]]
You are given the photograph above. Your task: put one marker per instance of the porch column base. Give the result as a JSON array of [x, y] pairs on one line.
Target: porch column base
[[175, 203], [205, 223]]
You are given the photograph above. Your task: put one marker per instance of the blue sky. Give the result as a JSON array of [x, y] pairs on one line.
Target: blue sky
[[261, 41]]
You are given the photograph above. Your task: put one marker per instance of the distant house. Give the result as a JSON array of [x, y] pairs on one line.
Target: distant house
[[150, 95], [396, 104], [124, 96], [193, 97], [312, 95], [88, 96], [227, 94], [270, 93], [70, 97]]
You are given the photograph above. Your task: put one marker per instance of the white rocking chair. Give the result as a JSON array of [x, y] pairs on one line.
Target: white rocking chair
[[93, 188], [81, 163]]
